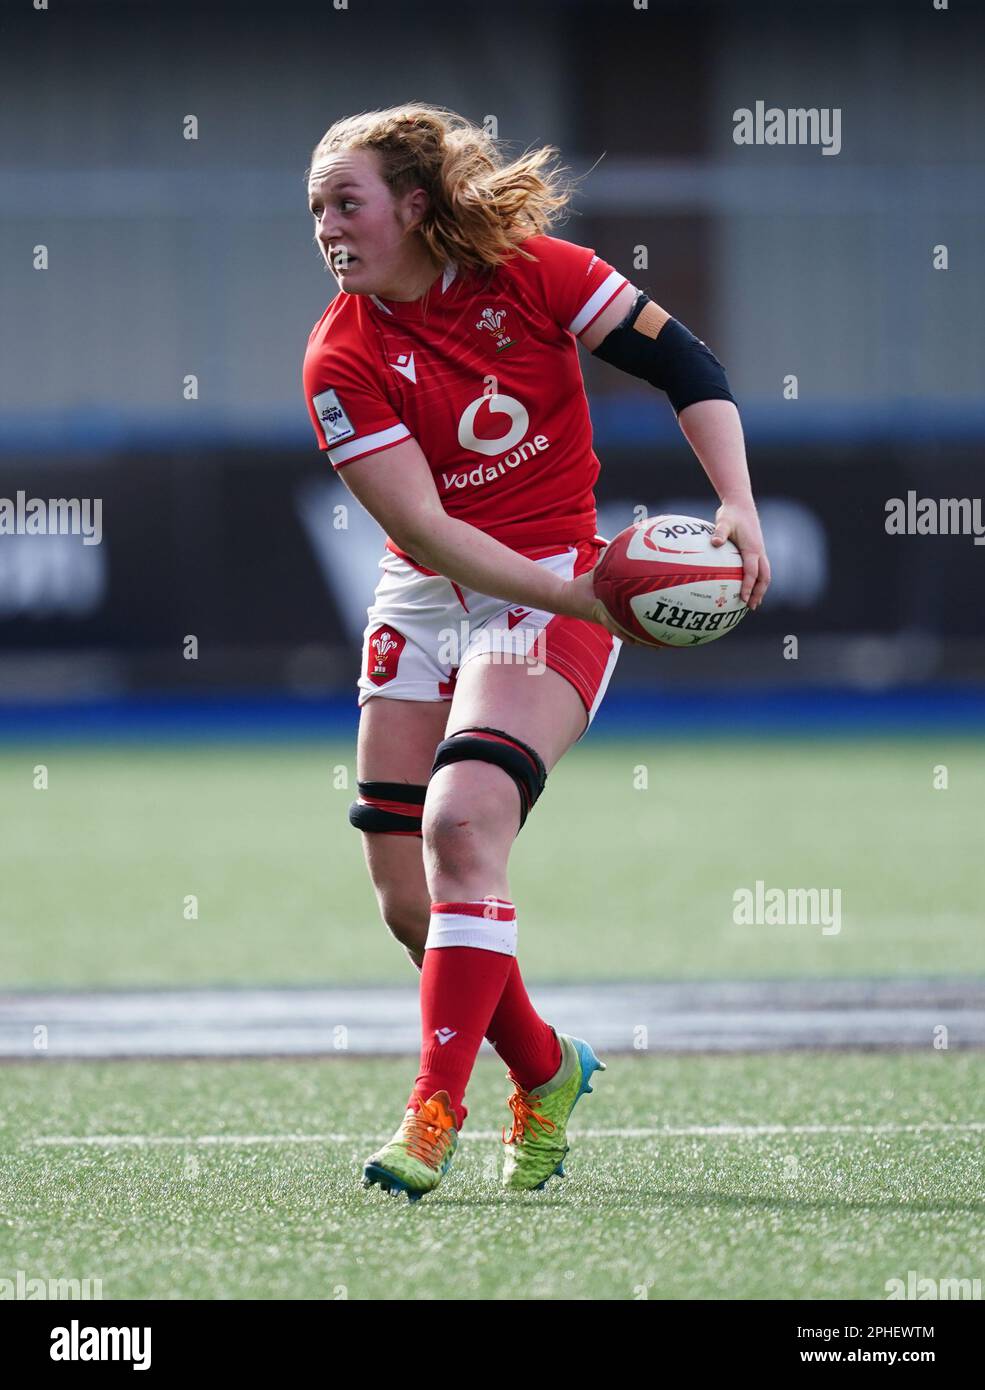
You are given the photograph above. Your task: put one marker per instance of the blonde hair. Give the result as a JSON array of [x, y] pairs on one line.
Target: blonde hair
[[481, 205]]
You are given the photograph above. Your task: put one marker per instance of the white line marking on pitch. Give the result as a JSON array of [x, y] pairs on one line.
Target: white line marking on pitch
[[671, 1132]]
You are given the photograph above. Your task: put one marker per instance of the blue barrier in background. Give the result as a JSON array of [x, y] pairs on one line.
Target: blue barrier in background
[[680, 714], [619, 420]]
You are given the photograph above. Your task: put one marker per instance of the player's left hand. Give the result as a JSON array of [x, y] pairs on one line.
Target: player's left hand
[[740, 523]]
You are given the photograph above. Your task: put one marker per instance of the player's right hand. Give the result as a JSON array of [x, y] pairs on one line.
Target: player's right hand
[[586, 604]]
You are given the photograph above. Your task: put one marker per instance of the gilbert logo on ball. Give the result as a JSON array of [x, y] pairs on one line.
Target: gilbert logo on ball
[[664, 582]]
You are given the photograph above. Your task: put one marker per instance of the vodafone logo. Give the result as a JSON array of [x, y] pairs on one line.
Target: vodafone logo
[[496, 405], [502, 449]]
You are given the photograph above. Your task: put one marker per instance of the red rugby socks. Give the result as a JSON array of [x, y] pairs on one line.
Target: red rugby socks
[[527, 1044], [471, 986], [467, 961]]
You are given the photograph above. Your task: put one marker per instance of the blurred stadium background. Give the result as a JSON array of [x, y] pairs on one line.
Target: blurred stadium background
[[226, 778], [171, 257]]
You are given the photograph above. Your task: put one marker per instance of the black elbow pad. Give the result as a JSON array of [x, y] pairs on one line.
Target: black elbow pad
[[675, 360]]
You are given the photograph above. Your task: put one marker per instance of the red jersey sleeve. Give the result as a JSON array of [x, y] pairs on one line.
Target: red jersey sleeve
[[349, 409], [577, 284]]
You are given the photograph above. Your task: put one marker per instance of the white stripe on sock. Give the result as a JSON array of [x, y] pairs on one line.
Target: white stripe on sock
[[483, 933]]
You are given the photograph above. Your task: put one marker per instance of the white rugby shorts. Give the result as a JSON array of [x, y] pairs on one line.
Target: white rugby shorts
[[422, 629]]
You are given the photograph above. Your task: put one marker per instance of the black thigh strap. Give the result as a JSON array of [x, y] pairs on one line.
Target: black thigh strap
[[523, 763], [393, 808]]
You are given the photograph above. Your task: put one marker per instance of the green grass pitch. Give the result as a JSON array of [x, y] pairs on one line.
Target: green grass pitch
[[98, 867], [830, 1214], [614, 880]]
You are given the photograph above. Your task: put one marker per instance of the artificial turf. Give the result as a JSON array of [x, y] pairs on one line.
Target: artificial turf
[[276, 1210], [627, 869]]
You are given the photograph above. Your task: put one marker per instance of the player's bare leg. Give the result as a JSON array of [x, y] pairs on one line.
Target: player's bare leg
[[470, 981], [472, 811], [397, 742], [469, 829], [464, 852]]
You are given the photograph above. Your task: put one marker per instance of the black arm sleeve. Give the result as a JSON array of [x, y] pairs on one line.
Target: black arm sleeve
[[675, 361]]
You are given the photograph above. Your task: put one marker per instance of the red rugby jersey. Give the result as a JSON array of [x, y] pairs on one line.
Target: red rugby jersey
[[484, 374]]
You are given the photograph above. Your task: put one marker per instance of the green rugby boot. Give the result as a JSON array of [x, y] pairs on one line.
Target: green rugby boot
[[420, 1153], [538, 1141]]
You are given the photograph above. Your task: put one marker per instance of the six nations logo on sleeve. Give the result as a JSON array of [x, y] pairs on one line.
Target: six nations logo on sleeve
[[334, 421]]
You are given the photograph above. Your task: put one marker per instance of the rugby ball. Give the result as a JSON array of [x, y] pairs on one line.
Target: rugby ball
[[667, 585]]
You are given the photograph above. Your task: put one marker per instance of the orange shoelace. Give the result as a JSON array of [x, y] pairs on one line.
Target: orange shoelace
[[425, 1132], [525, 1115]]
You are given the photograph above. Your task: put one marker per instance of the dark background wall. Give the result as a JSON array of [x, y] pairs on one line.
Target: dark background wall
[[168, 257]]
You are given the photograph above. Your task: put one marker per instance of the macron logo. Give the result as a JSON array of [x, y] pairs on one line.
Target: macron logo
[[405, 366], [444, 1035]]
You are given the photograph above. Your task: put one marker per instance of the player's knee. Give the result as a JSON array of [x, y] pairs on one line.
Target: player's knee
[[407, 920], [473, 769], [470, 820]]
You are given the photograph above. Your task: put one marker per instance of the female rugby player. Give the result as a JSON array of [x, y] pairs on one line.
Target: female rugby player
[[444, 384]]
